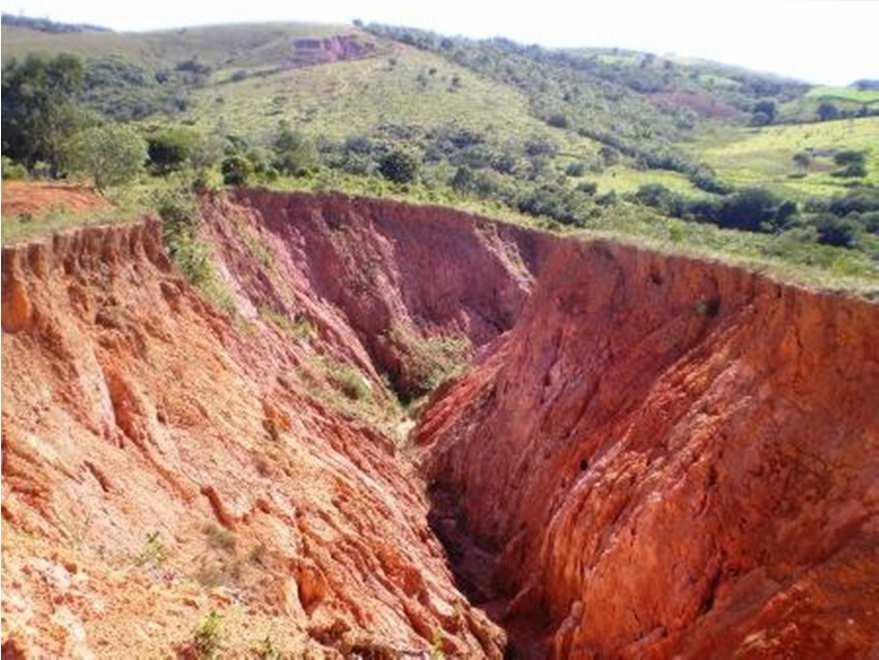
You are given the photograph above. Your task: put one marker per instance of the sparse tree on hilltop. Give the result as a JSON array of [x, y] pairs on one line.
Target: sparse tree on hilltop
[[111, 155], [39, 114]]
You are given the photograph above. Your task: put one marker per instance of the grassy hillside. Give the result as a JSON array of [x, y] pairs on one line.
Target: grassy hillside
[[828, 93], [215, 46], [764, 157], [580, 138]]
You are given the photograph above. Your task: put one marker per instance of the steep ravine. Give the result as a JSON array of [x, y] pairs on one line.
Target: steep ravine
[[649, 456], [667, 458]]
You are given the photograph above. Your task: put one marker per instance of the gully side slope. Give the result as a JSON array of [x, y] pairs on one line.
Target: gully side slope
[[133, 408], [664, 456], [667, 458]]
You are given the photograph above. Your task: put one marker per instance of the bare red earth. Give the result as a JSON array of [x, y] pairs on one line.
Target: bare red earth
[[338, 48], [652, 456], [133, 408], [37, 197], [668, 458]]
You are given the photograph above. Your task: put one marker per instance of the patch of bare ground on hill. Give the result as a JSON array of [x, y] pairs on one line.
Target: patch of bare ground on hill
[[35, 197]]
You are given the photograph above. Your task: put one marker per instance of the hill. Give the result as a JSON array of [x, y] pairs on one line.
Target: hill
[[562, 135]]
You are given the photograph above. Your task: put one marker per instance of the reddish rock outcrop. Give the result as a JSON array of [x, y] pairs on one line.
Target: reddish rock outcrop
[[668, 458], [338, 48]]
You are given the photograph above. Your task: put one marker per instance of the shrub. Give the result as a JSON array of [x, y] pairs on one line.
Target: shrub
[[177, 207], [237, 170], [220, 539], [587, 187], [656, 196], [566, 206], [13, 171], [111, 155], [170, 149], [764, 113], [576, 169], [205, 152], [609, 198], [869, 221], [832, 230], [540, 146], [558, 120], [350, 382], [802, 159], [295, 154], [706, 180], [154, 551], [399, 166], [850, 157], [206, 637], [463, 179], [855, 170], [609, 155], [827, 111], [749, 209]]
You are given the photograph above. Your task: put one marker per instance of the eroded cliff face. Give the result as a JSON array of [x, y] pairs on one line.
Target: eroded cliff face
[[668, 458], [650, 456], [162, 459]]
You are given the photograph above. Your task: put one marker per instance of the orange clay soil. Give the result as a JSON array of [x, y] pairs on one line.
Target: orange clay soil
[[35, 197], [649, 457]]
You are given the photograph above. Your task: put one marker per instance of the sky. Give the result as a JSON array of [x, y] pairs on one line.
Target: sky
[[820, 41]]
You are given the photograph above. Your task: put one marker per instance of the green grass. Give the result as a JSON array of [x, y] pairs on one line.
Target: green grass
[[624, 179], [345, 98], [219, 45], [828, 93], [764, 156]]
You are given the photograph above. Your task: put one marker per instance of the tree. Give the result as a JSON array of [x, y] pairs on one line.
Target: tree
[[802, 159], [295, 154], [236, 170], [853, 162], [764, 113], [206, 151], [111, 155], [39, 115], [399, 166], [463, 179], [170, 149], [558, 120], [850, 157], [609, 155], [840, 232], [827, 111], [752, 209]]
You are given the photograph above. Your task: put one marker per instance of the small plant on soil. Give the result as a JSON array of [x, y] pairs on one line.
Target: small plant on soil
[[267, 650], [154, 551], [206, 639]]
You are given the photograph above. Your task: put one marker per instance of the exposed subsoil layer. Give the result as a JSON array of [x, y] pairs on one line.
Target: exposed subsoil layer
[[650, 456], [35, 197]]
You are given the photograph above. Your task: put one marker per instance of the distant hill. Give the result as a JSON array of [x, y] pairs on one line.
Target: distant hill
[[520, 117], [866, 85], [46, 25]]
